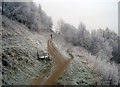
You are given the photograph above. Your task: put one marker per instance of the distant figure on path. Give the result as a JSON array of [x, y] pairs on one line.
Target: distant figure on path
[[51, 35]]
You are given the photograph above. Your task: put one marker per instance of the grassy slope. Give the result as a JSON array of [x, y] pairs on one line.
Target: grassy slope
[[20, 64], [79, 71]]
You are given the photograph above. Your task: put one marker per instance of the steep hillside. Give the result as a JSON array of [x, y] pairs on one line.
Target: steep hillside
[[28, 53], [21, 64], [79, 70], [101, 48], [19, 57], [86, 68]]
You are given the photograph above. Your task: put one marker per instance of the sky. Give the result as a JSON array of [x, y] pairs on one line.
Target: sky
[[94, 14]]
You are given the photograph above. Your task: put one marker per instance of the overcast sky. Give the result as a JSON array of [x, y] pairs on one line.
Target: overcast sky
[[93, 13]]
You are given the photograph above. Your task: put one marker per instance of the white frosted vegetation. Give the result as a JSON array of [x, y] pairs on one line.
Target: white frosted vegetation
[[101, 48], [108, 71], [78, 72], [28, 14]]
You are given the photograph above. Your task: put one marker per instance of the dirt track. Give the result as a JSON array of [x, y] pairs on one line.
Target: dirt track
[[59, 67]]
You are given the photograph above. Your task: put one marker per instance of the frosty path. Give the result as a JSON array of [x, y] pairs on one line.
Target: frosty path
[[57, 69]]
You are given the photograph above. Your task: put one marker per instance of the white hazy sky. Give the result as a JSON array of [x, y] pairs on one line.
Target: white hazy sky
[[93, 13]]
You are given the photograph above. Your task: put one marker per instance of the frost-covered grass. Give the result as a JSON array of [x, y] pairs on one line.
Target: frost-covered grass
[[78, 71], [106, 69], [84, 65], [24, 44], [20, 48]]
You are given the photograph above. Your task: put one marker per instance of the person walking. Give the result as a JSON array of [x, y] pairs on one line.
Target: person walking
[[51, 35]]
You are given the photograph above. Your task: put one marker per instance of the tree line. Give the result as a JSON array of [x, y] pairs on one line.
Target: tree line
[[27, 13], [102, 43]]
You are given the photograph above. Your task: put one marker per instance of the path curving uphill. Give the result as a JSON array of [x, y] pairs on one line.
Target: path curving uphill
[[60, 65]]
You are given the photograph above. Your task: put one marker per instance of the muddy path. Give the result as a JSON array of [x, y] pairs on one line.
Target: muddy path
[[60, 65]]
